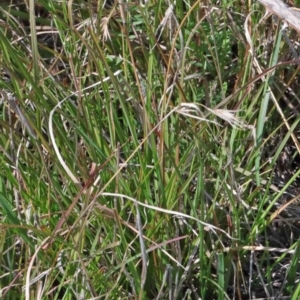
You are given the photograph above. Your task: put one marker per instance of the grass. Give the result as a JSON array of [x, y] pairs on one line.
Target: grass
[[147, 151]]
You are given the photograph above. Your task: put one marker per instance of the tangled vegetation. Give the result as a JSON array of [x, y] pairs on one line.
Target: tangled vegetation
[[149, 150]]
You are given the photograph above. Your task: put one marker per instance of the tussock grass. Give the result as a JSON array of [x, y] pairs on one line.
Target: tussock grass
[[148, 151]]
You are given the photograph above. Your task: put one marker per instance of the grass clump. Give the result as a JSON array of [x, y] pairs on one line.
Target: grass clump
[[148, 151]]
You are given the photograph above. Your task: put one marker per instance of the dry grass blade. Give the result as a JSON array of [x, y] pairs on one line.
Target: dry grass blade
[[285, 13], [213, 228]]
